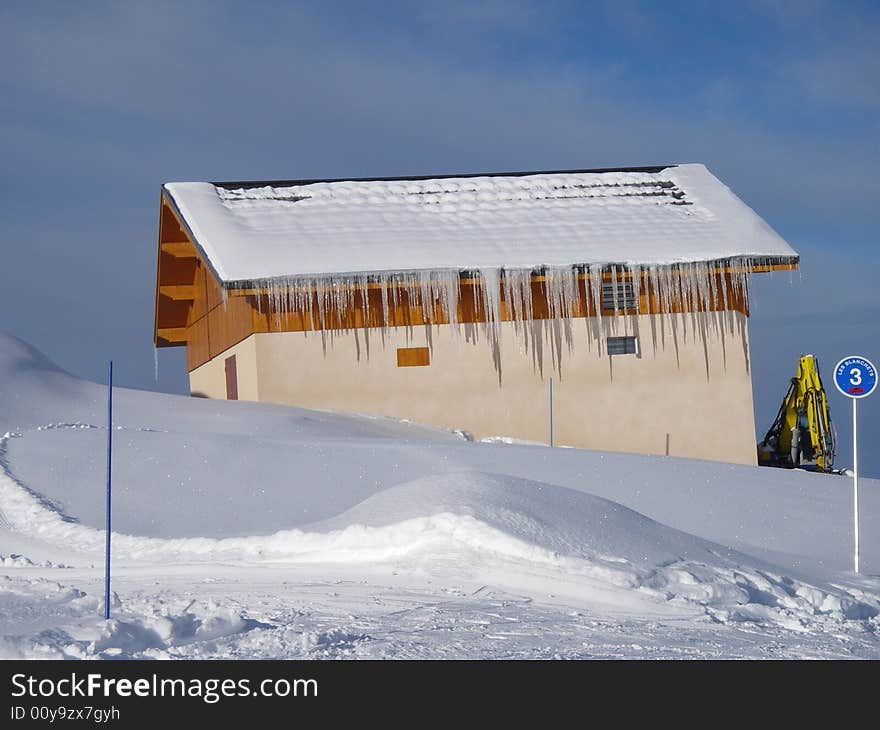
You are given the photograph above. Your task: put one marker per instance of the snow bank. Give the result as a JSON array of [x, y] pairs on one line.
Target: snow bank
[[193, 481], [470, 519]]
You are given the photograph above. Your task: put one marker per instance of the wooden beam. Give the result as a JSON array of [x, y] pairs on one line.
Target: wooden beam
[[179, 249], [178, 292], [763, 268], [172, 335]]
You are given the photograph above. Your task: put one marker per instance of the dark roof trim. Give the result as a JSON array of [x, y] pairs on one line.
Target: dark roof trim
[[246, 184]]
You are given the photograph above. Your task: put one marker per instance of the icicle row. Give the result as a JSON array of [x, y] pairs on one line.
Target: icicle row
[[687, 292]]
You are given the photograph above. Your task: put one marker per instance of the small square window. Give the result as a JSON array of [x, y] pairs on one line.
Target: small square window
[[622, 345], [619, 297]]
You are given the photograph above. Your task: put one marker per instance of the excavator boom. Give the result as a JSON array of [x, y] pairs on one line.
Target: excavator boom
[[801, 434]]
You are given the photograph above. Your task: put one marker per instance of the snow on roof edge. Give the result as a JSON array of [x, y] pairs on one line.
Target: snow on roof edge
[[749, 263], [208, 220]]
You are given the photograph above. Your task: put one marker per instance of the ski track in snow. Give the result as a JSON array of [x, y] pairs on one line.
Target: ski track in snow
[[257, 613]]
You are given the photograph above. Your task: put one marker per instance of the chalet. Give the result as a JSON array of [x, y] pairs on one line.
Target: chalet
[[453, 300]]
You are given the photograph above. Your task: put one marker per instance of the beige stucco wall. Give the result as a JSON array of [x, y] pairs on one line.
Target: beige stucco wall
[[689, 386], [209, 380]]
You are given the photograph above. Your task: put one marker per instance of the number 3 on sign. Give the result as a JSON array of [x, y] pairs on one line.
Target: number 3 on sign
[[856, 378]]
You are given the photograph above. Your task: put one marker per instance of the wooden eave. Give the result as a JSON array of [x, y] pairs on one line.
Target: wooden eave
[[176, 262]]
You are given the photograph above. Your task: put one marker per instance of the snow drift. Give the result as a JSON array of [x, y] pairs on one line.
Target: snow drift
[[214, 483]]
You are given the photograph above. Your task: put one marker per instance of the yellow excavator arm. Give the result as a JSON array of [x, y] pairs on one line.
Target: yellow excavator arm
[[802, 434]]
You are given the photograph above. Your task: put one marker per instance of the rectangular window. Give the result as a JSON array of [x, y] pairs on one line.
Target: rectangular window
[[408, 357], [622, 345], [231, 379], [618, 297]]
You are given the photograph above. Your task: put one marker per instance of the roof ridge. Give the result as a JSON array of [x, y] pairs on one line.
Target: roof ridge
[[235, 184]]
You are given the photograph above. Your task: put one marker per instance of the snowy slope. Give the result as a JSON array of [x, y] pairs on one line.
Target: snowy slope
[[267, 529]]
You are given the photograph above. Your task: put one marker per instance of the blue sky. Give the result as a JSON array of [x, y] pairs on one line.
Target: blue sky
[[102, 102]]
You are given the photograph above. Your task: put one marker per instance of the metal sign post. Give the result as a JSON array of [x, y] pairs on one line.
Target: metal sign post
[[109, 474], [856, 378]]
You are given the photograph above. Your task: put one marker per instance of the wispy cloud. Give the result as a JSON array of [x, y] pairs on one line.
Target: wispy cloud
[[830, 50]]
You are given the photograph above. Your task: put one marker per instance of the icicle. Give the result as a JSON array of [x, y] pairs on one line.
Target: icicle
[[522, 287], [563, 298], [693, 299], [668, 288], [682, 298], [386, 314], [425, 295], [395, 296], [511, 304], [596, 289], [491, 285], [635, 275], [155, 364], [453, 288], [615, 307]]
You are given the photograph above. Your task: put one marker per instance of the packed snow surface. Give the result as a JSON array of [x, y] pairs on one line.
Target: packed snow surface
[[680, 214], [248, 530]]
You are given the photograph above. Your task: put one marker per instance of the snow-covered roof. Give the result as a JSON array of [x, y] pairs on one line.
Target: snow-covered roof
[[520, 221]]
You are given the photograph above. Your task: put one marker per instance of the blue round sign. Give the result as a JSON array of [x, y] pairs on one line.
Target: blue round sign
[[855, 376]]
